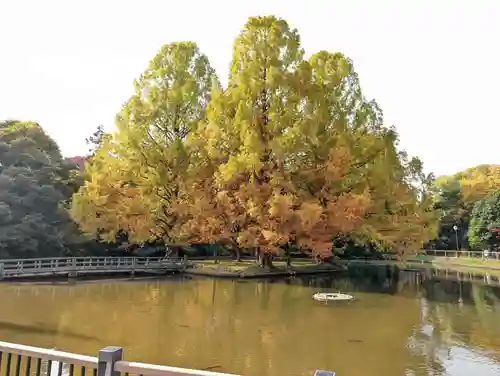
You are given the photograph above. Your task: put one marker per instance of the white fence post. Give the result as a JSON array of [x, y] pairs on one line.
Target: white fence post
[[107, 359]]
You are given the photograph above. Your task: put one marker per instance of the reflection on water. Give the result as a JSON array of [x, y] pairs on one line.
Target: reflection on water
[[402, 323]]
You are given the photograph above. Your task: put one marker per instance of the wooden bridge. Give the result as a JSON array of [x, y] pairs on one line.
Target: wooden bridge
[[81, 266], [28, 360]]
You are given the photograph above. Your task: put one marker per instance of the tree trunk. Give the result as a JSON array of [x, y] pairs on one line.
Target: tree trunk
[[288, 257], [171, 252], [237, 252], [264, 259], [216, 261]]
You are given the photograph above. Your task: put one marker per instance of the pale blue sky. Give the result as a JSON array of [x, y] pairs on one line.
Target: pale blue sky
[[433, 66]]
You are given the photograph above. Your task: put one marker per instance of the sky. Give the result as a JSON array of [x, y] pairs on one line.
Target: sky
[[432, 65]]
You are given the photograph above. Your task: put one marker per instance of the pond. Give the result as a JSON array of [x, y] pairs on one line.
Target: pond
[[398, 325]]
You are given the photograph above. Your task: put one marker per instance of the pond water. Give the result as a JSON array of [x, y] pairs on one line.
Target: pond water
[[398, 326]]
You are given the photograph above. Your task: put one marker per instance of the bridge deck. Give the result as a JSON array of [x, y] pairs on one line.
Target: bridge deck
[[75, 266]]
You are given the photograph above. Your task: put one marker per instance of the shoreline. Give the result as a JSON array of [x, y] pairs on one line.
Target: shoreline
[[257, 272], [230, 269], [227, 269], [450, 263]]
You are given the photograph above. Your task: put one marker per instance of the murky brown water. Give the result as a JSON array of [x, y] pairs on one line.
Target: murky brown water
[[394, 328]]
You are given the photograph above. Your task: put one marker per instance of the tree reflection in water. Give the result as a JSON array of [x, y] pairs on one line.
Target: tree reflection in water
[[401, 323]]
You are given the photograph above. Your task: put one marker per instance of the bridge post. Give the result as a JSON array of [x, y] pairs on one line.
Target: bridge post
[[2, 273], [107, 359]]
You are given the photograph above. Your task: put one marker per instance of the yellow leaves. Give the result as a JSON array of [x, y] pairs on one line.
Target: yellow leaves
[[280, 205], [229, 170], [309, 215], [474, 183], [253, 210], [408, 224], [289, 152], [339, 162]]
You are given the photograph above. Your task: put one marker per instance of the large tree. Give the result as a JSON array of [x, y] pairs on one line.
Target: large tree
[[34, 186], [240, 143], [291, 153], [137, 176]]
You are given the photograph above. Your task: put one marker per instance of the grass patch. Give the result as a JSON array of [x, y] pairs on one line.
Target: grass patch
[[233, 265], [464, 261], [248, 268]]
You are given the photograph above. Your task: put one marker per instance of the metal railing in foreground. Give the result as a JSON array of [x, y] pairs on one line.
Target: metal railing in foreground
[[22, 360], [17, 360]]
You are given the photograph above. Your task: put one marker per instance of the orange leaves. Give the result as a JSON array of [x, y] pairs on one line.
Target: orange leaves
[[309, 214], [352, 208], [330, 201], [309, 209], [477, 182], [280, 206], [338, 164], [321, 223]]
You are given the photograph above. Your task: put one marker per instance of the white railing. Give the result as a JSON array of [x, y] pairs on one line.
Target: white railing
[[109, 362], [69, 265], [144, 369], [493, 255], [36, 361]]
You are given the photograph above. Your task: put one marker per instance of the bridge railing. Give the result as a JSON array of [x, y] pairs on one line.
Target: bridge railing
[[74, 263], [83, 265], [462, 253]]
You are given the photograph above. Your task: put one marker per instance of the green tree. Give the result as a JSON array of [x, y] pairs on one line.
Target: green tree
[[485, 217], [33, 190], [453, 211], [455, 198]]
